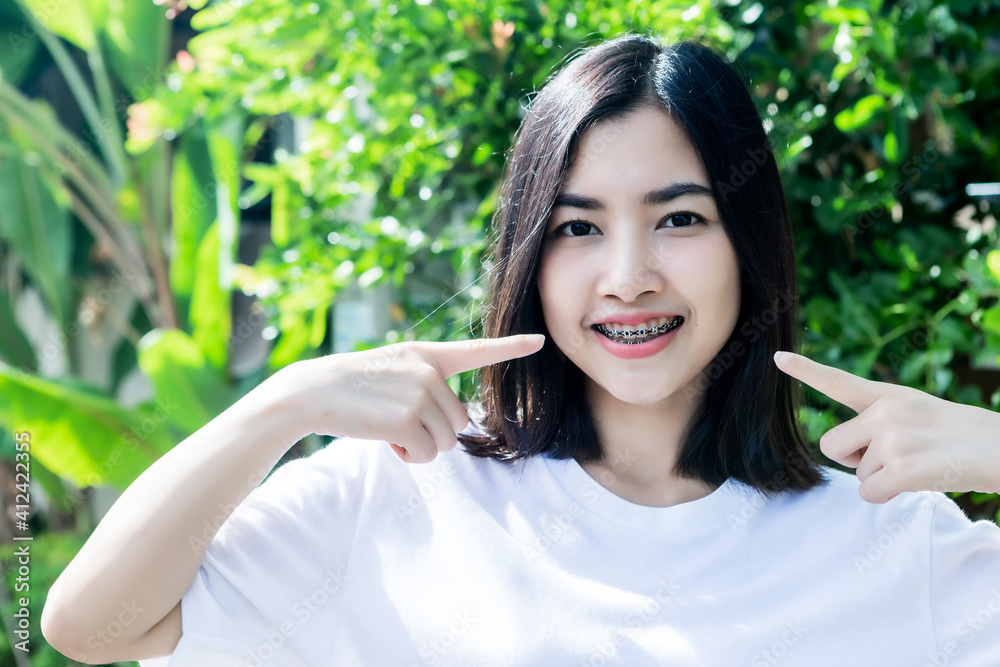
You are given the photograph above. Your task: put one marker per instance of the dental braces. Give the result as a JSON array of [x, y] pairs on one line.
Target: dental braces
[[663, 328]]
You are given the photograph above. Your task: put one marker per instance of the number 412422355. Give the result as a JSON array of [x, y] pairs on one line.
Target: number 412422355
[[22, 478]]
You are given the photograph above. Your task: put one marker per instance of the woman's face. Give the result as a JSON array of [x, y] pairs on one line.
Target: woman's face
[[639, 284]]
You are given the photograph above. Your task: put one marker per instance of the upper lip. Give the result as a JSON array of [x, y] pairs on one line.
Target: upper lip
[[633, 318]]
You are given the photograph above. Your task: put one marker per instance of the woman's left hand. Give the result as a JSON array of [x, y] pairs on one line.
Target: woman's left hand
[[903, 439]]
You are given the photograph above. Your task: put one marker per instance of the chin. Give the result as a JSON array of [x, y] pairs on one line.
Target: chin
[[632, 396]]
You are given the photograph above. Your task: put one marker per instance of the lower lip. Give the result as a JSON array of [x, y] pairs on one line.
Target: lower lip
[[637, 350]]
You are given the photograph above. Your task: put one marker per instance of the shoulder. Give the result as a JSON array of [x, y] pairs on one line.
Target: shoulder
[[835, 510], [840, 493]]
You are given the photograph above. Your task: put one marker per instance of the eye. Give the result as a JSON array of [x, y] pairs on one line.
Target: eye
[[682, 219], [574, 228]]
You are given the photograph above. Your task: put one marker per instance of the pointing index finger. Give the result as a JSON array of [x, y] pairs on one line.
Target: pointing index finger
[[465, 355], [855, 392]]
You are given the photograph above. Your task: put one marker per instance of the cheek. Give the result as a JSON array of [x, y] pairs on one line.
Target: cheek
[[712, 280], [551, 290], [559, 294], [729, 289]]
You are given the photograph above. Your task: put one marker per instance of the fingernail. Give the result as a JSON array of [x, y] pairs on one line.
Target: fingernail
[[782, 356]]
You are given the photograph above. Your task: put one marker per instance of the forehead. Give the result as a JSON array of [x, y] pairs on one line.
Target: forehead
[[637, 152]]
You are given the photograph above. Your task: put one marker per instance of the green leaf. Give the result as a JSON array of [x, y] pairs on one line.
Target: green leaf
[[55, 490], [891, 147], [81, 436], [19, 46], [14, 345], [37, 227], [836, 15], [860, 114], [136, 36], [318, 330], [993, 264], [211, 322], [218, 14], [183, 377], [279, 214], [225, 137], [193, 204], [293, 342], [991, 320], [797, 147], [74, 20]]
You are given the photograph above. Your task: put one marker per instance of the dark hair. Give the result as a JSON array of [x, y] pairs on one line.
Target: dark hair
[[746, 424]]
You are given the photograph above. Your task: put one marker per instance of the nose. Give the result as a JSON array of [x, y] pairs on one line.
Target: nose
[[631, 267]]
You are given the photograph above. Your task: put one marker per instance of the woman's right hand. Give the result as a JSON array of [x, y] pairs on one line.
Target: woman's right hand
[[396, 393], [142, 551]]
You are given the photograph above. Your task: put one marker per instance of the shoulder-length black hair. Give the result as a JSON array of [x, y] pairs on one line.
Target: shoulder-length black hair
[[746, 425]]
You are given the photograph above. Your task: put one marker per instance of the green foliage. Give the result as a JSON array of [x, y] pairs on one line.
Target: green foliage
[[881, 113], [80, 434], [893, 254], [179, 369], [411, 108]]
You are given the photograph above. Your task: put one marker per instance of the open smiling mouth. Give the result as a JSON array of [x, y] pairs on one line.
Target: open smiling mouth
[[643, 335]]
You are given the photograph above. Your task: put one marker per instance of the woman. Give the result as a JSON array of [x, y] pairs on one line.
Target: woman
[[631, 490]]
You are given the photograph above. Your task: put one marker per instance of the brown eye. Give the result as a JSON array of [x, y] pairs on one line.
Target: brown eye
[[678, 220], [574, 228]]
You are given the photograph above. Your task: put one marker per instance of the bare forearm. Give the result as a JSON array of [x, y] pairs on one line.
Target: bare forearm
[[147, 550], [144, 555]]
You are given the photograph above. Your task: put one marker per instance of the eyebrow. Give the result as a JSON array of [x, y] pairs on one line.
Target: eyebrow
[[652, 198]]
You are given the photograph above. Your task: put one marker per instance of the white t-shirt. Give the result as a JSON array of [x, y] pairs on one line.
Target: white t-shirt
[[352, 557]]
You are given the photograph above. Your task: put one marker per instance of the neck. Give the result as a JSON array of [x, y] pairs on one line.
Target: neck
[[641, 444]]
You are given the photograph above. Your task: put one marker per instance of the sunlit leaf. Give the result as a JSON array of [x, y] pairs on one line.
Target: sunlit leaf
[[74, 20], [136, 35], [84, 437], [860, 114], [183, 377]]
